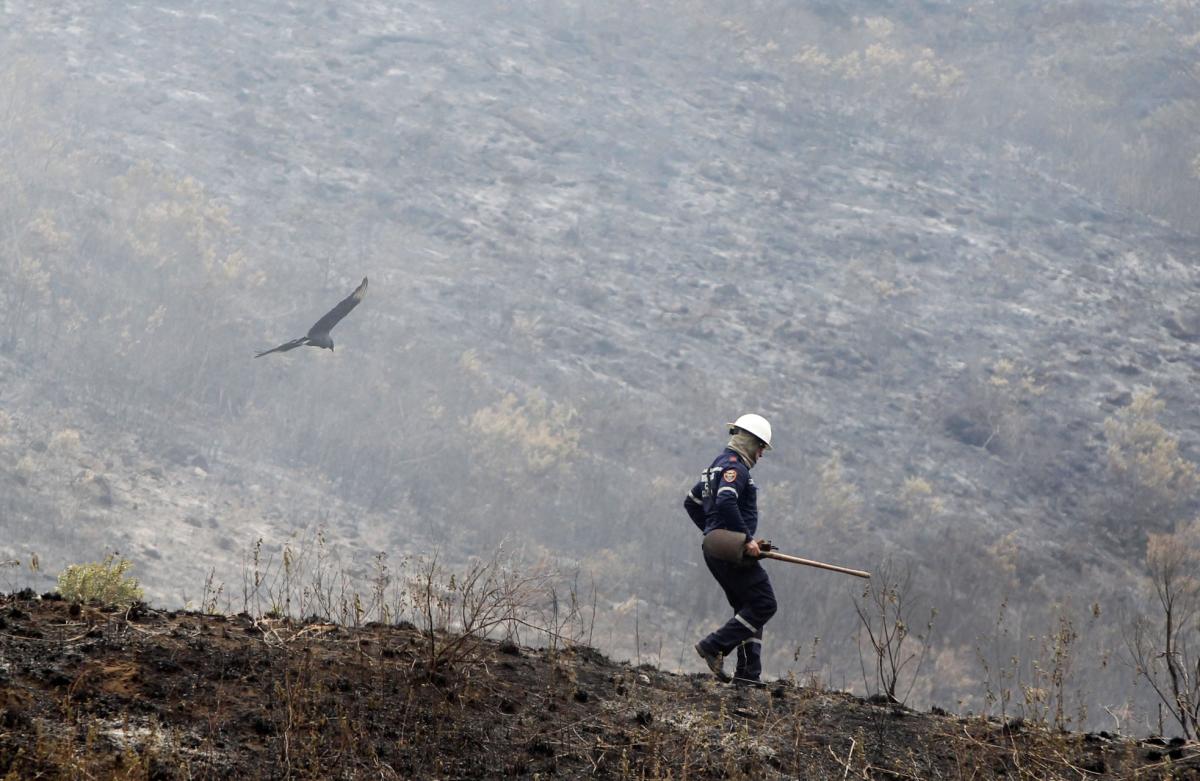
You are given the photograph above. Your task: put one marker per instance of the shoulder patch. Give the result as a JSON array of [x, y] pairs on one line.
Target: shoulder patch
[[733, 459], [729, 476]]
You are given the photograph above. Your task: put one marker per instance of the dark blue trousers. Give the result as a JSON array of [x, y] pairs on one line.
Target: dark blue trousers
[[749, 592]]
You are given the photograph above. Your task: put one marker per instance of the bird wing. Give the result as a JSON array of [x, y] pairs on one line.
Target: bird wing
[[331, 318], [283, 348]]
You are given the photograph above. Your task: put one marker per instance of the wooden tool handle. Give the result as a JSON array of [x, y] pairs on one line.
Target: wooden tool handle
[[810, 563]]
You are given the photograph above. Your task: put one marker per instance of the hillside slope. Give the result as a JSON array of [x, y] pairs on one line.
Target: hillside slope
[[595, 232], [143, 693]]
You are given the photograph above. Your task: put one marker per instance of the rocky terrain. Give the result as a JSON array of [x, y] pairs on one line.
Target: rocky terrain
[[143, 693]]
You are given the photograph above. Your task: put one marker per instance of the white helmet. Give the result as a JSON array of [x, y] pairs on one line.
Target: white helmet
[[756, 425]]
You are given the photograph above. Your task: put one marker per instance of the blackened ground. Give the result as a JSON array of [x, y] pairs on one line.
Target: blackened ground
[[93, 693]]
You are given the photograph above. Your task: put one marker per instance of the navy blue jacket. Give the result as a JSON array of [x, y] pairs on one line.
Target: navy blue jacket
[[725, 497]]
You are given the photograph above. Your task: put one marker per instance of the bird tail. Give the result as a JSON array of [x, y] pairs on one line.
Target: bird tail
[[283, 348]]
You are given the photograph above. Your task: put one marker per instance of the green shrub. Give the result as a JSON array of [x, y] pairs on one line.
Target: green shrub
[[104, 582]]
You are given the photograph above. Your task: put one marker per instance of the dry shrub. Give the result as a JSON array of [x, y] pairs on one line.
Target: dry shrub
[[919, 501], [65, 441], [458, 611], [1165, 642], [915, 71], [27, 468], [996, 413], [838, 505], [885, 613], [168, 220], [543, 430], [1003, 556], [1150, 481]]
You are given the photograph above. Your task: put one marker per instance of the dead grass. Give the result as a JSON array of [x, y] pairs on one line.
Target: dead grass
[[113, 694]]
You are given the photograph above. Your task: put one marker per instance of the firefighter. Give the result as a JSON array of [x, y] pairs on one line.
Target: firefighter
[[725, 501]]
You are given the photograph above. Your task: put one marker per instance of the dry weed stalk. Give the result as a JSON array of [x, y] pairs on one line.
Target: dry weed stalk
[[884, 615]]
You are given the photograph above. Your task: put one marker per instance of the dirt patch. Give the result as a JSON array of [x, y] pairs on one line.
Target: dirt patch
[[150, 694]]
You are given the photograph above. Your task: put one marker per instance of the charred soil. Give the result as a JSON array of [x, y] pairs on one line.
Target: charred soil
[[87, 692]]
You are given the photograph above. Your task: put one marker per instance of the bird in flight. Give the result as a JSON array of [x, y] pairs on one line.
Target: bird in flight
[[318, 335]]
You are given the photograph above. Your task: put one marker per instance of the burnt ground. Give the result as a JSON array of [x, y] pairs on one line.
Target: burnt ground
[[99, 693]]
